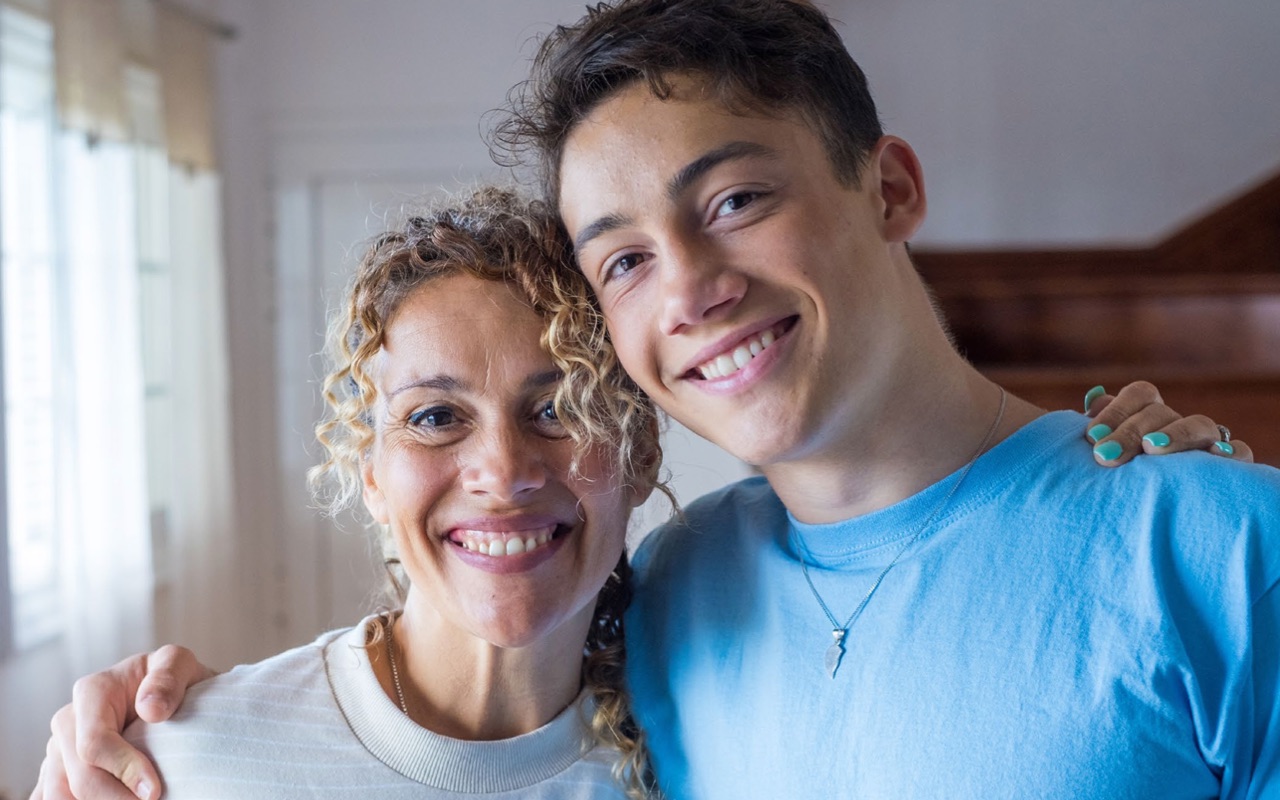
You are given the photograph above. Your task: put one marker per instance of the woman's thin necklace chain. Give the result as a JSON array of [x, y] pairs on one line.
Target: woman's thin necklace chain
[[395, 673], [835, 652]]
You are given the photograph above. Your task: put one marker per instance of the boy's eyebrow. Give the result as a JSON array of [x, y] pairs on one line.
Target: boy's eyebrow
[[691, 172], [679, 183]]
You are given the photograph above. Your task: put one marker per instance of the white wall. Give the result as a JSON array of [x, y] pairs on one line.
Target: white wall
[[1083, 122]]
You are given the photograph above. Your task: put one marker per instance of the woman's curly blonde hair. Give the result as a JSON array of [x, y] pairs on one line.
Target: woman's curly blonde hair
[[494, 234]]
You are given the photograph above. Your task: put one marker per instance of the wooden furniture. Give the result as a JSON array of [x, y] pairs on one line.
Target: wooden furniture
[[1197, 314]]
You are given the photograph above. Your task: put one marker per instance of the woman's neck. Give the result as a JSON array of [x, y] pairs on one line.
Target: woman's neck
[[458, 685]]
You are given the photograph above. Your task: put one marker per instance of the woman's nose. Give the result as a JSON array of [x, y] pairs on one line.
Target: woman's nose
[[504, 466]]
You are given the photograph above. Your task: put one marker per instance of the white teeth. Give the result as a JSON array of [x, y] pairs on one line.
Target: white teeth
[[724, 365], [478, 542]]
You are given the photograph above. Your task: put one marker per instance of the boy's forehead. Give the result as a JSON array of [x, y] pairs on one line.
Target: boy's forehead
[[636, 112], [638, 159]]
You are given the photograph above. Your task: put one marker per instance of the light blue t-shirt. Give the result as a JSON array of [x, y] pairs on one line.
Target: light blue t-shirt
[[1059, 631]]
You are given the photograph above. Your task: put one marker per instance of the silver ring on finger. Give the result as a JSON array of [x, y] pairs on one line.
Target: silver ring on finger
[[1224, 432]]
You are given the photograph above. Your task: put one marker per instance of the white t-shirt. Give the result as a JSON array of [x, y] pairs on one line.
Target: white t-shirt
[[314, 723]]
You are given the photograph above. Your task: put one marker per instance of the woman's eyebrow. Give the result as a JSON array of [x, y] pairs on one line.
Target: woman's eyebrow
[[543, 379], [442, 383]]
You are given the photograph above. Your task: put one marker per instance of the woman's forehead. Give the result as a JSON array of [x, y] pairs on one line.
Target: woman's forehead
[[476, 331]]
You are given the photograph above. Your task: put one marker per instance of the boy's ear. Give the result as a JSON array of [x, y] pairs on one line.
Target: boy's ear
[[374, 501], [901, 186]]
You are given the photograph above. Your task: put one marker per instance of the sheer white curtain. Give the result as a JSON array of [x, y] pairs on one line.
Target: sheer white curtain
[[137, 507], [103, 532], [201, 502], [115, 380]]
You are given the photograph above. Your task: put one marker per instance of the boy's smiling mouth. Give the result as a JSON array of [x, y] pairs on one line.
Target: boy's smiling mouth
[[741, 354]]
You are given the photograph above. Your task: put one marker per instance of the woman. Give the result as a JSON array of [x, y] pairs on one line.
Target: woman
[[506, 511], [503, 474]]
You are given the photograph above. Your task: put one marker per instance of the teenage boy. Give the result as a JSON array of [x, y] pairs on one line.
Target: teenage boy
[[932, 591]]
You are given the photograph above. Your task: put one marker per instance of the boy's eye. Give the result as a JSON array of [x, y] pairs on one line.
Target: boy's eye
[[432, 417], [735, 202]]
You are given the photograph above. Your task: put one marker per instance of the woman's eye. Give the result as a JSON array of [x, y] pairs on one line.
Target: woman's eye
[[623, 264], [547, 419], [432, 418], [735, 202]]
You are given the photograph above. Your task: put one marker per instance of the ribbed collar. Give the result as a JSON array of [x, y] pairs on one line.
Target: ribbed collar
[[440, 761]]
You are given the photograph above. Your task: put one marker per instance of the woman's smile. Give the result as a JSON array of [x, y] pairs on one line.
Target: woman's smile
[[509, 546]]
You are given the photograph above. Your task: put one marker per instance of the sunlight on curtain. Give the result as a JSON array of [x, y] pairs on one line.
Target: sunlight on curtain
[[27, 264], [201, 505], [102, 498]]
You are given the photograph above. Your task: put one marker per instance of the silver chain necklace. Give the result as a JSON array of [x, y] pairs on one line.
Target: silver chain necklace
[[395, 673], [835, 652]]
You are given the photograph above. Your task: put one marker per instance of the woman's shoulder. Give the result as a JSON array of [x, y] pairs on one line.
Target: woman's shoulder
[[286, 679], [250, 727], [285, 689]]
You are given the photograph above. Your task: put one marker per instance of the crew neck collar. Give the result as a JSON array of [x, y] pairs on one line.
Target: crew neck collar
[[440, 761]]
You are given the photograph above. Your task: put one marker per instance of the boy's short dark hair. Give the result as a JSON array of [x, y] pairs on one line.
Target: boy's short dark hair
[[760, 56]]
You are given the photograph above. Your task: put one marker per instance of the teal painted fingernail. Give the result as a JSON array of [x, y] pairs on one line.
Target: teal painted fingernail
[[1091, 395], [1225, 448], [1108, 451], [1098, 431], [1157, 439]]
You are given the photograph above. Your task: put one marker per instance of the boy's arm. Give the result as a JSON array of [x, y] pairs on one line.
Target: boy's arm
[[87, 757]]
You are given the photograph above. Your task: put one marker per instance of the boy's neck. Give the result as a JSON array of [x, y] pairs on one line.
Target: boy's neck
[[922, 434]]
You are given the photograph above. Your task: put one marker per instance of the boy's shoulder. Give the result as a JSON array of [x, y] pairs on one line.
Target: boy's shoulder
[[715, 520]]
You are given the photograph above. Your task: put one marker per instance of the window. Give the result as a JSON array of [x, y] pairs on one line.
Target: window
[[42, 202], [92, 353], [30, 296]]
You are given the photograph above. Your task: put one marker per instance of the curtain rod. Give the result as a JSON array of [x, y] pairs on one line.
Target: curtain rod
[[214, 26]]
